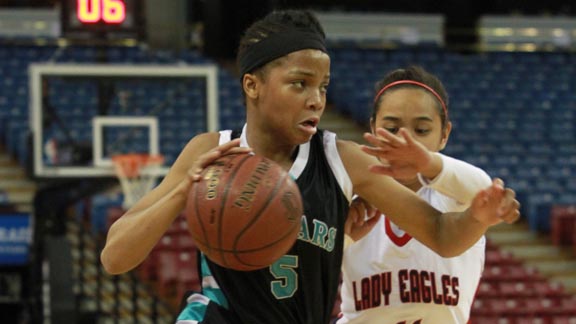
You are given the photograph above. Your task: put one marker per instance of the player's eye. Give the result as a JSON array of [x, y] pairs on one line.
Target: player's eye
[[298, 83], [422, 131], [392, 130]]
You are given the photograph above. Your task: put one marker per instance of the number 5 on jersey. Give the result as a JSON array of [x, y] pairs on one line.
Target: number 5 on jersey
[[287, 278]]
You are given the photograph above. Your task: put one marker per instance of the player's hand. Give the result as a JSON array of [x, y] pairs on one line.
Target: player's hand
[[495, 204], [204, 160], [361, 219], [402, 157]]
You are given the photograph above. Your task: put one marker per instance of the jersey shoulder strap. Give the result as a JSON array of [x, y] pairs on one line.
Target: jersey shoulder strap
[[235, 133]]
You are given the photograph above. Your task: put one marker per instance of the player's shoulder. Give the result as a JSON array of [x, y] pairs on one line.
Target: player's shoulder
[[207, 141], [345, 145], [198, 145], [349, 151]]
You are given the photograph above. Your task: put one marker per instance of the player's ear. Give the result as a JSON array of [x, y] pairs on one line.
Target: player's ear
[[372, 125], [445, 135], [250, 84]]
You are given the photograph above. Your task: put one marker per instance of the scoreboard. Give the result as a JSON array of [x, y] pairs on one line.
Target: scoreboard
[[101, 11], [108, 16]]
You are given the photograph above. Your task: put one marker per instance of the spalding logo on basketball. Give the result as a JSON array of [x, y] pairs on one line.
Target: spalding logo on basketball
[[245, 212]]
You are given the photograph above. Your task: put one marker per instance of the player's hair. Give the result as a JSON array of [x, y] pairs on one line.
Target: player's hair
[[423, 80], [276, 23]]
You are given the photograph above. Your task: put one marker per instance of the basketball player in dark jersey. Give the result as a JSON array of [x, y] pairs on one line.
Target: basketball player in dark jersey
[[285, 71], [297, 288]]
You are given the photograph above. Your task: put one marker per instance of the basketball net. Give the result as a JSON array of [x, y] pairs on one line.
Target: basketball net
[[137, 175]]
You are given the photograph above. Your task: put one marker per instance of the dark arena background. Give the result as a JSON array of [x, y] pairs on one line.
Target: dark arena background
[[82, 81]]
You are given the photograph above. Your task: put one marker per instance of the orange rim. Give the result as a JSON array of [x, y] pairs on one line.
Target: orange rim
[[129, 165]]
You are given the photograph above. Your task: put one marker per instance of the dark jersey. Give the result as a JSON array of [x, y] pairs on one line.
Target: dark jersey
[[301, 287]]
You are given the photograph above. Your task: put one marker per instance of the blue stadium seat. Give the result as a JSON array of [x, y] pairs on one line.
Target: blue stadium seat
[[538, 205]]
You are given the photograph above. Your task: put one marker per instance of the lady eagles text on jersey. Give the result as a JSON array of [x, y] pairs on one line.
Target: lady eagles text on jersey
[[414, 287]]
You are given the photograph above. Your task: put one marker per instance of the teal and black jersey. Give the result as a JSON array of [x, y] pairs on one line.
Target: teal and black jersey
[[302, 286]]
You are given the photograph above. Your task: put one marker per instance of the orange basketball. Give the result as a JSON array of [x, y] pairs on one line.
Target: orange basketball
[[245, 212]]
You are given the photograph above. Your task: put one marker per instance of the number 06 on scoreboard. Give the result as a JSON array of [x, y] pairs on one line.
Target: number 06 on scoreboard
[[107, 11], [88, 16]]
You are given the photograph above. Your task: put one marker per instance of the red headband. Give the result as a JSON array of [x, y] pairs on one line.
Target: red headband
[[420, 84]]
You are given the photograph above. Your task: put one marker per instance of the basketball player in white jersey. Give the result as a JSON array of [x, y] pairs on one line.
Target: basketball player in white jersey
[[390, 277]]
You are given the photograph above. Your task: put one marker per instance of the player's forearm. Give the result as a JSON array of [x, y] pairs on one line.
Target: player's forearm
[[458, 179], [434, 167], [457, 232], [132, 237]]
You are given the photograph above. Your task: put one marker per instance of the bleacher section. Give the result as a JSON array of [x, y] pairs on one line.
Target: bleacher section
[[514, 113], [511, 292]]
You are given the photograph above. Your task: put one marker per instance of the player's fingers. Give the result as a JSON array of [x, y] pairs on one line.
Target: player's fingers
[[495, 192], [207, 158], [231, 147], [394, 140], [381, 154], [237, 150], [481, 198], [376, 151], [405, 134], [512, 214], [195, 174], [359, 212], [371, 211], [508, 203], [375, 140], [226, 146], [364, 210], [370, 222], [498, 182]]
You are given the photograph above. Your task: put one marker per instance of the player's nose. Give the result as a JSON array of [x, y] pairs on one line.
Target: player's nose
[[316, 100]]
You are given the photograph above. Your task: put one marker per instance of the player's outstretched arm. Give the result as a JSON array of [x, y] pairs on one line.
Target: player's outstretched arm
[[448, 234], [406, 158], [131, 238]]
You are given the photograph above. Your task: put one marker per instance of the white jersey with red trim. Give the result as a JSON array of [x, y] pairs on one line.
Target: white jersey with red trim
[[391, 278]]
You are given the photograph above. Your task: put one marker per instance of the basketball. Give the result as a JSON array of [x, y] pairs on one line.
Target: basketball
[[245, 212]]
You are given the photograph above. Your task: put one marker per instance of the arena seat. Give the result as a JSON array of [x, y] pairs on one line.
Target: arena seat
[[511, 272], [563, 227]]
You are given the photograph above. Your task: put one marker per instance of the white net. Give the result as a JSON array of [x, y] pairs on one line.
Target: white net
[[137, 174]]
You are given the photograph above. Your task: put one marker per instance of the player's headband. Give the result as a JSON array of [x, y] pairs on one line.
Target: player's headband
[[278, 45], [416, 83]]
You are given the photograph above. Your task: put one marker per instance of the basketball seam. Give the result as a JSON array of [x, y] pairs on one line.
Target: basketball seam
[[224, 199], [255, 219], [199, 219]]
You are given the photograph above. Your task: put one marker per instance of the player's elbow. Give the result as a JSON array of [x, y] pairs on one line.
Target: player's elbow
[[110, 264], [447, 248]]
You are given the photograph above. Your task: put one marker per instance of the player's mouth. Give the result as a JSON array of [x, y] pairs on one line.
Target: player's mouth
[[309, 125]]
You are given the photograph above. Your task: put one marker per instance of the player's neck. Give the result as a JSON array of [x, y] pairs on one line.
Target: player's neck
[[282, 155], [268, 146]]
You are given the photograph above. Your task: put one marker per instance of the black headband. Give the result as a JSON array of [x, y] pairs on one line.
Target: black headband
[[278, 45]]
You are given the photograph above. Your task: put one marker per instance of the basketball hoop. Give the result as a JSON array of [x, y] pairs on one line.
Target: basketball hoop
[[137, 174]]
